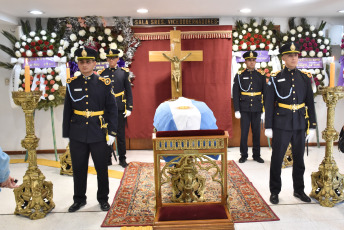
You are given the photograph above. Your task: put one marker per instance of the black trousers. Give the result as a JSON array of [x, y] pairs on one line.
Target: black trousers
[[80, 153], [121, 137], [280, 142], [247, 119]]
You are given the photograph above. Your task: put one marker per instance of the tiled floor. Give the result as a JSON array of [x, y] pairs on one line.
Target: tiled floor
[[293, 213]]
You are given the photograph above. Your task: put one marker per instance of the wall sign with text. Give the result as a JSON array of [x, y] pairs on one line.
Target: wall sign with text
[[176, 21]]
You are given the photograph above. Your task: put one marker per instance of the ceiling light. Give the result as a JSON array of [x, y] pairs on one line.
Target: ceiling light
[[35, 12], [245, 11], [142, 11], [341, 11]]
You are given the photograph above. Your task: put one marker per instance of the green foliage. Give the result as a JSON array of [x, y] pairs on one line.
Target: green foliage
[[7, 50], [38, 24], [10, 37], [6, 65]]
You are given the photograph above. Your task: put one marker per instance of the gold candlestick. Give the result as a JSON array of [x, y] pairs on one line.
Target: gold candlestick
[[34, 198], [327, 183]]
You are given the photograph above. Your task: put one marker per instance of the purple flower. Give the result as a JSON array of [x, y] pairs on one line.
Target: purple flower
[[309, 43], [313, 40], [342, 46], [305, 44], [315, 45], [324, 51], [301, 40], [316, 50], [307, 39]]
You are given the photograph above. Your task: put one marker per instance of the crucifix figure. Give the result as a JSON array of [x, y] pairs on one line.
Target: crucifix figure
[[176, 56]]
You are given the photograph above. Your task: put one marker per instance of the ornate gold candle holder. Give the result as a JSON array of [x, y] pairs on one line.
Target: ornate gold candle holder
[[34, 198], [327, 183]]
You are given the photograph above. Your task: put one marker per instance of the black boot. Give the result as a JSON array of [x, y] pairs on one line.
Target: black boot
[[123, 163]]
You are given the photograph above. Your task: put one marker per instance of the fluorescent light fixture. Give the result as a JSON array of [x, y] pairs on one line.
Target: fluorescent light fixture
[[142, 11], [35, 12], [245, 11], [341, 11]]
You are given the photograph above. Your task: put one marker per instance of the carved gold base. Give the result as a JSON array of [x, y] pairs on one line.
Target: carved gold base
[[327, 184], [66, 163], [288, 158], [34, 196], [62, 91]]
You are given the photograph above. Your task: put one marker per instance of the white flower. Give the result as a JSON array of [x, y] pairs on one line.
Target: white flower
[[44, 38], [90, 38], [307, 33], [320, 77], [312, 53], [312, 28], [50, 53], [52, 40], [102, 55], [323, 72], [299, 28], [120, 54], [62, 42], [19, 82], [236, 41], [256, 31], [29, 40], [23, 43], [258, 65], [303, 53], [53, 35], [110, 39], [268, 36], [81, 42], [285, 38], [119, 38], [58, 78], [49, 70], [32, 33], [22, 50], [107, 31], [18, 54], [263, 64], [100, 38], [20, 89], [76, 45], [244, 65], [317, 71], [31, 72], [244, 46], [55, 86], [328, 47], [73, 37], [327, 54], [235, 34], [314, 35], [322, 47], [265, 27], [270, 63], [255, 24], [249, 29], [101, 50], [113, 46], [253, 47], [320, 33], [270, 32], [77, 73], [273, 40], [57, 69], [292, 31], [245, 26], [299, 35], [40, 53], [17, 45], [82, 33], [319, 41], [292, 39], [72, 50], [92, 29], [23, 37], [342, 52], [65, 45], [240, 36], [51, 97], [271, 46], [28, 53], [61, 52], [326, 41], [36, 39], [264, 32], [43, 32], [49, 77], [103, 44], [261, 45], [243, 31], [235, 47]]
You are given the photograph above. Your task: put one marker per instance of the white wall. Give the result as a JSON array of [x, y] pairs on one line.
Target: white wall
[[12, 121]]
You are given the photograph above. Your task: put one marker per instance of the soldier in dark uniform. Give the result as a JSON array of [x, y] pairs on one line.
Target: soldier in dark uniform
[[122, 88], [88, 100], [248, 89], [289, 99]]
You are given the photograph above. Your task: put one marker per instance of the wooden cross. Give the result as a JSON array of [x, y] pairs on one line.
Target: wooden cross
[[176, 56]]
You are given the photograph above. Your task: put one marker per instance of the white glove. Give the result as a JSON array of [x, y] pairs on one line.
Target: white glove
[[127, 114], [268, 133], [310, 135], [111, 140], [237, 115], [262, 117]]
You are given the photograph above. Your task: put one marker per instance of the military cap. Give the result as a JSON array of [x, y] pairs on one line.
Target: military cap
[[112, 53], [290, 48], [85, 53], [250, 54]]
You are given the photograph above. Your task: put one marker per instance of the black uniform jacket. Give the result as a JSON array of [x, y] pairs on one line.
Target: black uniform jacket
[[298, 84], [250, 81], [120, 82], [96, 94]]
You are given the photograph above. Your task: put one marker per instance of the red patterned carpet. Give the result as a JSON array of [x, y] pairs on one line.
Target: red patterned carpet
[[134, 203]]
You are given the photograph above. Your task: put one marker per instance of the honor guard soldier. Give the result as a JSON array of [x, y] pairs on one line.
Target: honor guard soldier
[[122, 88], [289, 100], [89, 109], [248, 89]]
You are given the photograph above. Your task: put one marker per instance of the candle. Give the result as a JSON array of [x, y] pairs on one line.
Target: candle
[[27, 76], [68, 71], [332, 73]]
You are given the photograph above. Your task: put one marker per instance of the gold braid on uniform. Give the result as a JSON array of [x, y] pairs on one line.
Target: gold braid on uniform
[[100, 71], [307, 73], [125, 69], [107, 81], [273, 74], [261, 71], [70, 79], [241, 71]]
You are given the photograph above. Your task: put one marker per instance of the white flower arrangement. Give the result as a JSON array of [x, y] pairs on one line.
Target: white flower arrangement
[[82, 33], [119, 38], [92, 29], [51, 97]]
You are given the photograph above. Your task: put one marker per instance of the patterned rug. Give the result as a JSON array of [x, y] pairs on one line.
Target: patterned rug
[[134, 203]]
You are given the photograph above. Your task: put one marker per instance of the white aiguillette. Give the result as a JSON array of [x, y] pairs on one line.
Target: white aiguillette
[[77, 89], [280, 80]]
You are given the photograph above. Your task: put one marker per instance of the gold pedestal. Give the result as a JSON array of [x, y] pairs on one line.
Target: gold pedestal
[[34, 198], [327, 183]]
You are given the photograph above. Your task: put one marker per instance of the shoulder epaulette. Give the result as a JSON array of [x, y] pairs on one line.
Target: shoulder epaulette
[[307, 73], [273, 74], [100, 71], [241, 71], [107, 80], [125, 69], [261, 71], [70, 79]]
